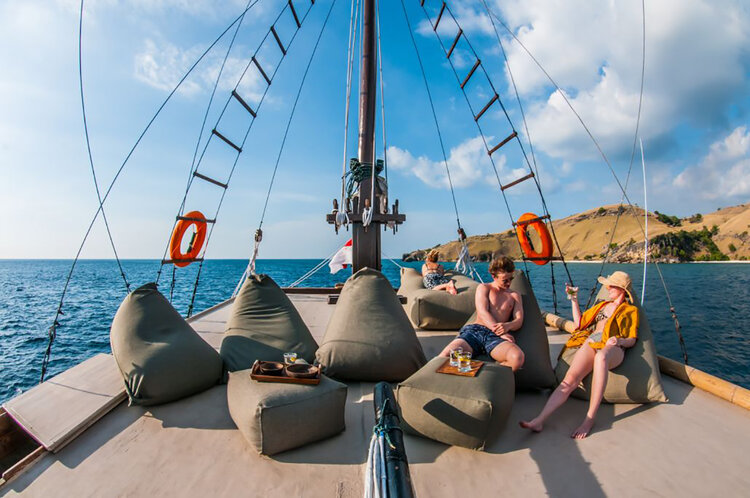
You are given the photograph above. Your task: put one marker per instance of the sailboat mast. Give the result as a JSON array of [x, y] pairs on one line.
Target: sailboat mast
[[366, 240]]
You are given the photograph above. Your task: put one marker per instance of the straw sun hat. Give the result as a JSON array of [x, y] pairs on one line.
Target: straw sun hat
[[619, 279]]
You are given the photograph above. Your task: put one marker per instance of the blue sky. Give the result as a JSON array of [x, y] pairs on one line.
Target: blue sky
[[694, 123]]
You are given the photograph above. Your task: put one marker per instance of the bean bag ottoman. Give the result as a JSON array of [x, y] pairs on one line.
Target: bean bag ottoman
[[160, 356], [455, 410], [636, 380], [369, 337], [437, 310], [264, 325], [277, 417]]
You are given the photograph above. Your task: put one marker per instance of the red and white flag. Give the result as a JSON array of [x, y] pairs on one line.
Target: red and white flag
[[342, 258]]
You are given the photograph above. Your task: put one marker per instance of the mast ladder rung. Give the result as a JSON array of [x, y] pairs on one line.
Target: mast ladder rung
[[471, 73], [484, 109], [294, 13], [242, 101], [173, 261], [278, 40], [455, 42], [209, 180], [551, 258], [227, 141], [189, 218], [265, 77], [505, 141], [440, 16], [516, 182], [531, 220]]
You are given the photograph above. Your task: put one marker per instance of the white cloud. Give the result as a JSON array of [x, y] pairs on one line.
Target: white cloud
[[696, 66], [162, 66], [724, 172], [468, 163]]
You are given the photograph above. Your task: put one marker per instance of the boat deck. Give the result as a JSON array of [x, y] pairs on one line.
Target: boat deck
[[695, 445]]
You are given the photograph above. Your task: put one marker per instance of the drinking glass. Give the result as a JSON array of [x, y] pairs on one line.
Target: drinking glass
[[464, 362], [290, 358], [454, 356]]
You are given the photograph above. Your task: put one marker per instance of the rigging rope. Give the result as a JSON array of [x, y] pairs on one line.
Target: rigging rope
[[603, 155], [291, 116], [537, 179], [392, 260], [645, 240], [315, 269], [620, 209], [434, 115], [193, 166], [88, 147], [244, 140], [52, 331], [344, 219], [515, 88], [479, 127], [259, 233], [382, 106]]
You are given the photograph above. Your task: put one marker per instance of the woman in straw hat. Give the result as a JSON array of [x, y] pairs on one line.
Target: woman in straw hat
[[603, 332]]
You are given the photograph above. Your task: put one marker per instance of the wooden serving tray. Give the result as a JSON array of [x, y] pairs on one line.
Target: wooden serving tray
[[283, 378], [446, 368]]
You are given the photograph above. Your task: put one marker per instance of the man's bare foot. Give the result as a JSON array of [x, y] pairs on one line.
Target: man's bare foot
[[531, 425], [583, 429]]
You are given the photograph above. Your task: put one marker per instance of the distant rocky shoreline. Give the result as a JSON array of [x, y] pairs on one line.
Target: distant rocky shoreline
[[721, 236]]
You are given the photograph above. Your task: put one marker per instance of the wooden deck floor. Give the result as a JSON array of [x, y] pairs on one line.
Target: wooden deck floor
[[695, 445]]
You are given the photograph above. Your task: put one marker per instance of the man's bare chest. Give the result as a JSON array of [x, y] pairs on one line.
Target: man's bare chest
[[501, 301]]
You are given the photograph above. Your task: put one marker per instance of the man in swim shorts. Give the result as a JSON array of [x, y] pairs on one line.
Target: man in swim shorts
[[499, 313]]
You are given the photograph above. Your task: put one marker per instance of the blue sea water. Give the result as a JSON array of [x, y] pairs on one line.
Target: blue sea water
[[711, 302]]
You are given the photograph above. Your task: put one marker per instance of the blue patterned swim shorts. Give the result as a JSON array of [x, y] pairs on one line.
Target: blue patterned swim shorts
[[481, 339]]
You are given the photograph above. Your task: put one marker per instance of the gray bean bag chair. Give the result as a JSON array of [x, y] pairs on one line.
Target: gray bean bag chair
[[263, 325], [537, 372], [369, 337], [437, 310], [460, 411], [160, 356], [636, 380], [276, 417]]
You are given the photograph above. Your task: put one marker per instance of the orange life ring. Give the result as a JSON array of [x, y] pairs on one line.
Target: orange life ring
[[539, 258], [196, 243]]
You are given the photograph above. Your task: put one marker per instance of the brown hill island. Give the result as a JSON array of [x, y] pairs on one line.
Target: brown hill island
[[718, 236]]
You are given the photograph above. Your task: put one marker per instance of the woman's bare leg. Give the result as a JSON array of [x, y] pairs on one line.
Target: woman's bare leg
[[582, 363], [455, 343], [450, 288], [441, 287], [605, 360]]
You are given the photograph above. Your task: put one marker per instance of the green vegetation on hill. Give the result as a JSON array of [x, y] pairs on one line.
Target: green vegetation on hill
[[672, 221], [684, 245]]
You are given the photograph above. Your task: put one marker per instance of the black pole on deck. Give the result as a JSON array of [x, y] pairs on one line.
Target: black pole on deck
[[396, 465]]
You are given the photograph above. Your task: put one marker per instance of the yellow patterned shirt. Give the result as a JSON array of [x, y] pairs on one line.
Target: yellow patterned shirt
[[622, 324]]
